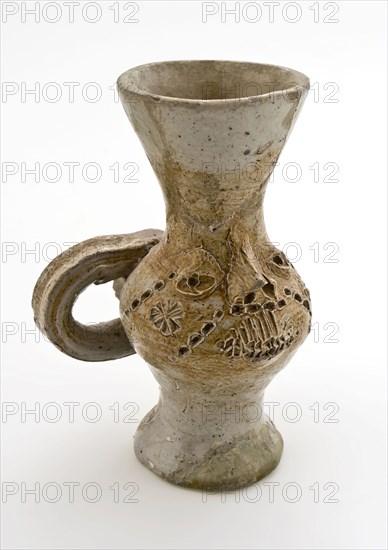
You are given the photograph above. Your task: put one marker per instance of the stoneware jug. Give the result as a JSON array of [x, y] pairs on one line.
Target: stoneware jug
[[212, 307]]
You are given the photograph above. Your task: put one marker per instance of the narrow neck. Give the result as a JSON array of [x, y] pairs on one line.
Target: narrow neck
[[205, 210], [212, 194], [241, 228], [213, 159]]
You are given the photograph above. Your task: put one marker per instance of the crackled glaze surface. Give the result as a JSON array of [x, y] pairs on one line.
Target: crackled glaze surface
[[213, 308]]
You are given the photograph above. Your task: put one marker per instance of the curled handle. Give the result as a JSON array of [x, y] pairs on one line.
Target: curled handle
[[97, 261]]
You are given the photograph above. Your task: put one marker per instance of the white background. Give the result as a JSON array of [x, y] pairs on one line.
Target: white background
[[341, 123]]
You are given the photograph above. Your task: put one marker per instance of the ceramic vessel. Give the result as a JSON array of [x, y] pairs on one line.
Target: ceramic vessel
[[212, 307]]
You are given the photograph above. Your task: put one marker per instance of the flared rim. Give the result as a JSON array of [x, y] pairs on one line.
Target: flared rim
[[295, 84]]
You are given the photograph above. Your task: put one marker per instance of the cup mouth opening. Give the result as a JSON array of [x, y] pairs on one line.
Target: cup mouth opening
[[211, 81]]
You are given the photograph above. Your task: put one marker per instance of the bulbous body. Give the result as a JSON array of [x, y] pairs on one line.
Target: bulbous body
[[176, 312]]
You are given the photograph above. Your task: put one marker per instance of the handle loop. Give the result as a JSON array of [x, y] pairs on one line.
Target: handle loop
[[98, 261]]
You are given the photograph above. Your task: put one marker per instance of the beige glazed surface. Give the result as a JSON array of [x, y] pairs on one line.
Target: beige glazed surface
[[213, 308]]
